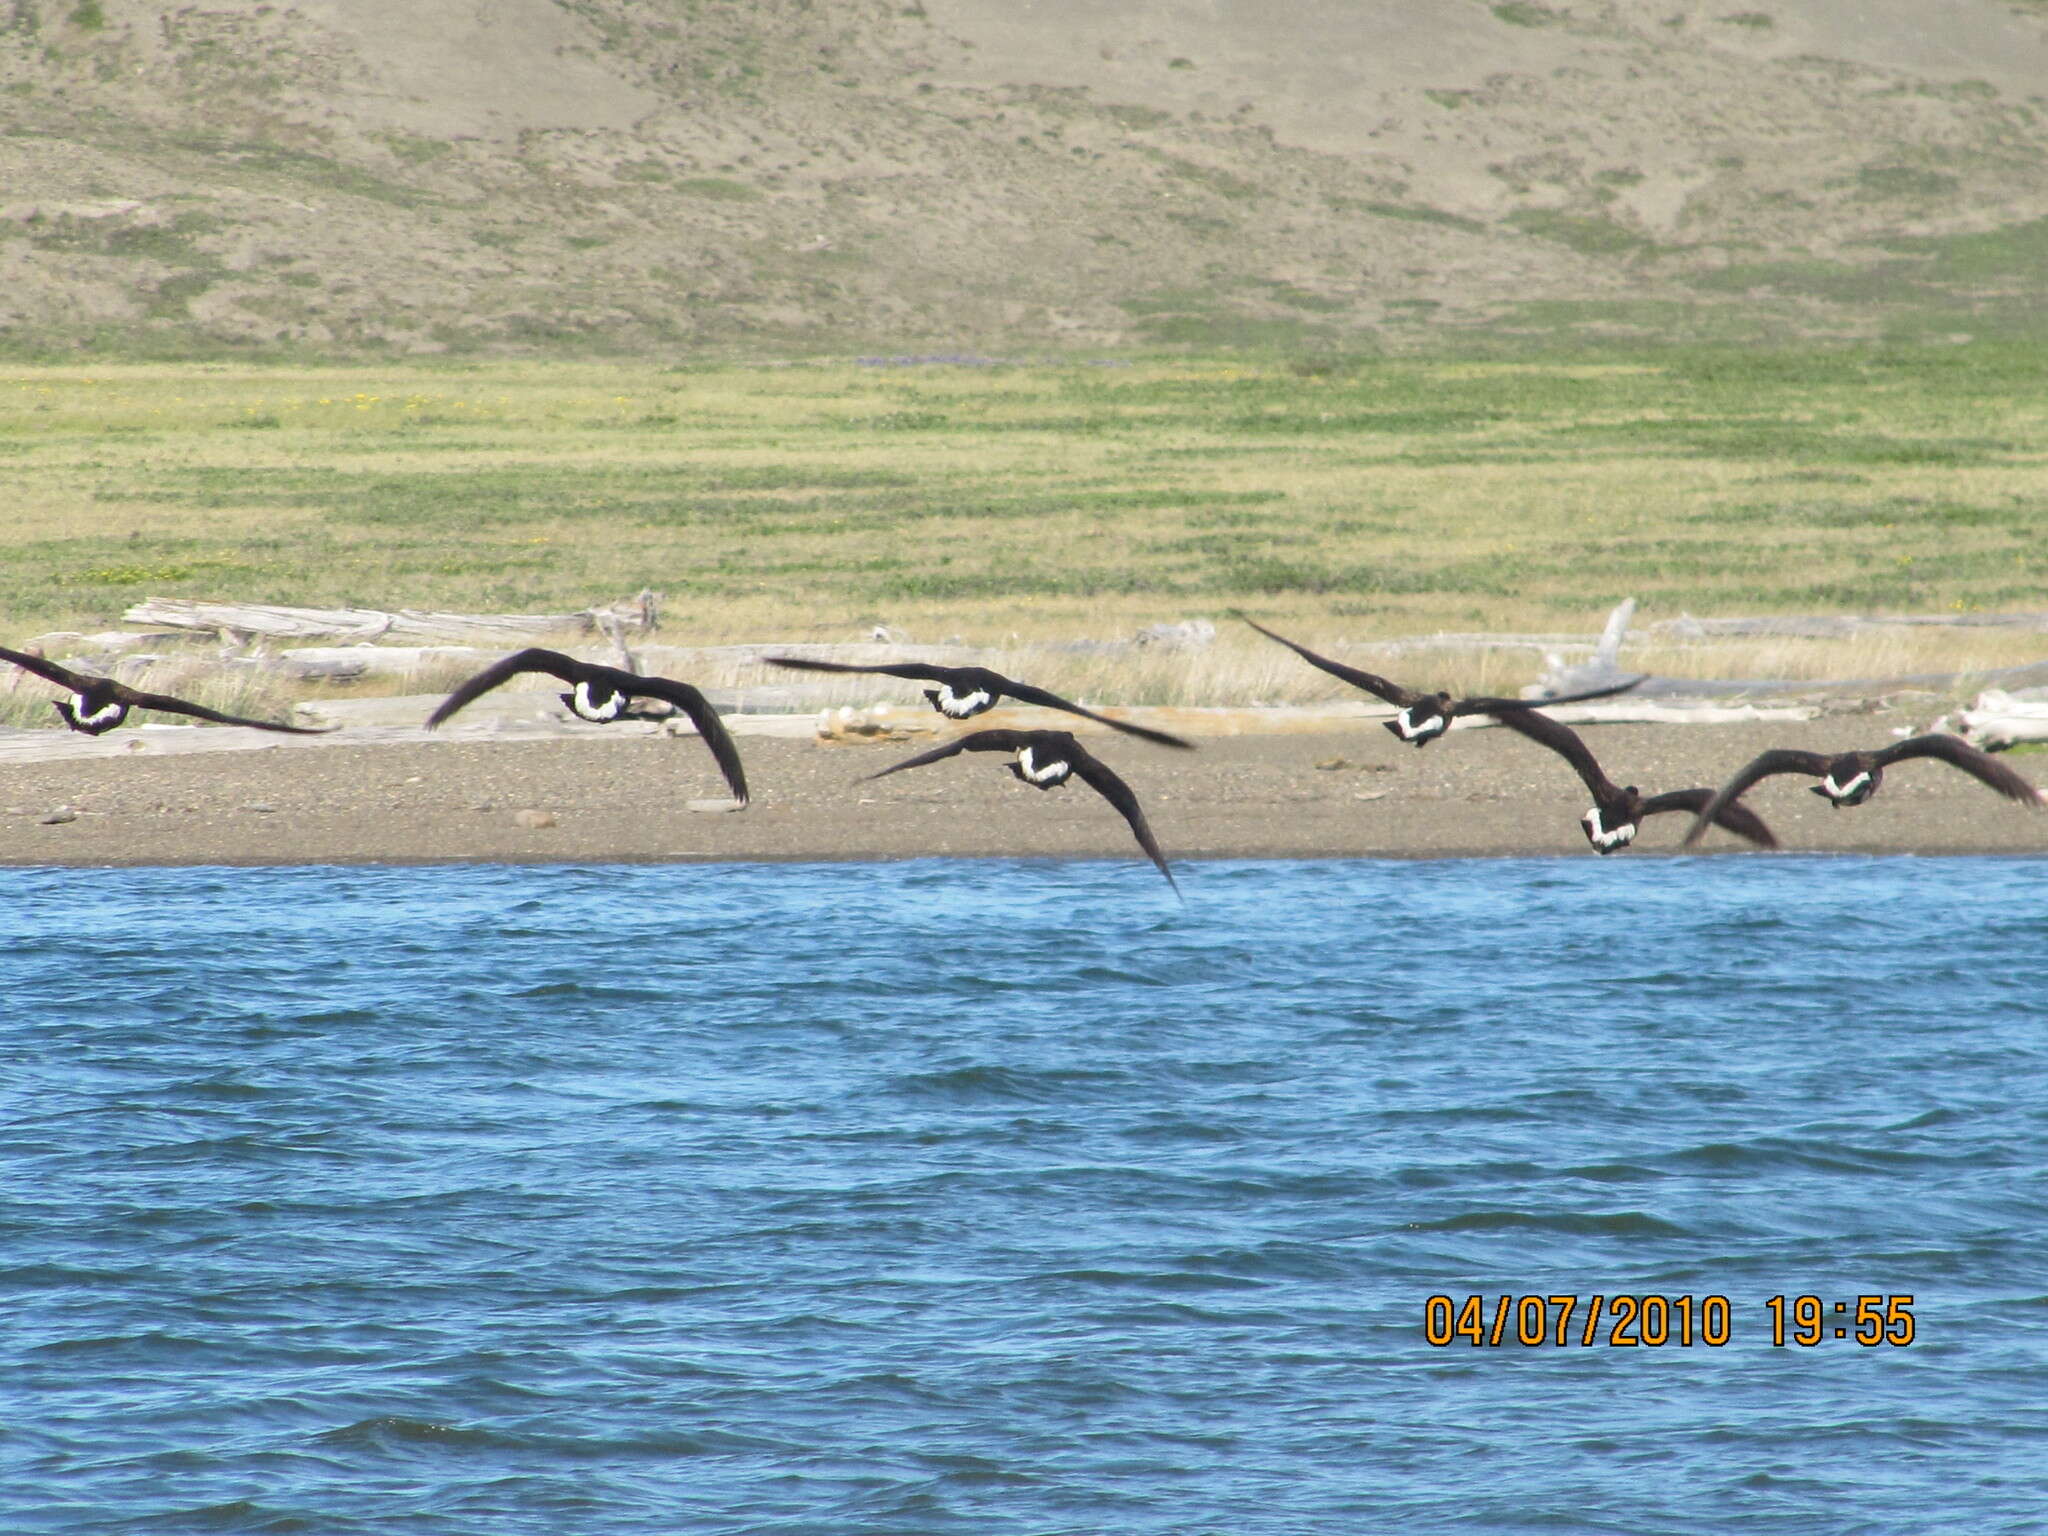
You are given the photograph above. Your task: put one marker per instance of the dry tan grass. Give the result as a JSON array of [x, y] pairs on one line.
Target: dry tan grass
[[1241, 668]]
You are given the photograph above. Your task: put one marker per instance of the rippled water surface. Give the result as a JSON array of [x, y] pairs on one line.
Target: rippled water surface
[[1017, 1198]]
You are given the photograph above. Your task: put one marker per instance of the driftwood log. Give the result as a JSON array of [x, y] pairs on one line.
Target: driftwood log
[[1808, 687], [1600, 670], [1462, 640], [1687, 628], [243, 635], [346, 663], [276, 621], [885, 722], [1604, 666], [1998, 719], [69, 642], [1831, 626]]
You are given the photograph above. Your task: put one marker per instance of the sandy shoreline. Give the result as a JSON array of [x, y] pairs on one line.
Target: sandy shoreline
[[1349, 792]]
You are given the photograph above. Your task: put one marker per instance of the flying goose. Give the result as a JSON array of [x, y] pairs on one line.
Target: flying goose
[[1045, 760], [1850, 778], [964, 692], [1617, 814], [601, 695], [98, 704], [1426, 716]]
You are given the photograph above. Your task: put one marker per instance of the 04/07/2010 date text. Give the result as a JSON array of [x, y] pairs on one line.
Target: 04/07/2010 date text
[[1635, 1322]]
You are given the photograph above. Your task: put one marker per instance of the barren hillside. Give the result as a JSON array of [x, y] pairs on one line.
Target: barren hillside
[[338, 177]]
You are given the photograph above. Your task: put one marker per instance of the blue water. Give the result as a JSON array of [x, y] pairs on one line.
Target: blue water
[[1016, 1198]]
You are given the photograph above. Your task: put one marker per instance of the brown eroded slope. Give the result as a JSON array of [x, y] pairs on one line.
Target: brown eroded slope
[[346, 176]]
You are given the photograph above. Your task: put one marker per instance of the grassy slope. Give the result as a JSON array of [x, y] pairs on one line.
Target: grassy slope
[[640, 177], [1381, 498]]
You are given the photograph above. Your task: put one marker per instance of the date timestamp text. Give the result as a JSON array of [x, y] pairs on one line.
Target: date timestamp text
[[1637, 1322]]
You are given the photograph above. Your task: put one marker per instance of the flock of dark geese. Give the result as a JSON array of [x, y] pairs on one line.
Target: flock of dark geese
[[1047, 759]]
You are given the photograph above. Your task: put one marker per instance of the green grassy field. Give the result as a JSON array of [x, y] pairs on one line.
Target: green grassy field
[[1364, 498]]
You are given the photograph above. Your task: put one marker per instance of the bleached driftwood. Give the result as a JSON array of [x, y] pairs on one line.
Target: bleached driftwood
[[1187, 635], [884, 722], [864, 653], [69, 642], [346, 663], [1811, 687], [878, 722], [1600, 671], [624, 659], [361, 624], [1474, 641], [1831, 626], [1627, 709], [1687, 628], [1998, 719], [640, 611], [1604, 667], [522, 713]]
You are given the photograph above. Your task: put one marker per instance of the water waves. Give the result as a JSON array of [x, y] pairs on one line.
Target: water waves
[[998, 1198]]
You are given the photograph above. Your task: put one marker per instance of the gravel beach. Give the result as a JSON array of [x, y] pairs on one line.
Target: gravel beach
[[1348, 792]]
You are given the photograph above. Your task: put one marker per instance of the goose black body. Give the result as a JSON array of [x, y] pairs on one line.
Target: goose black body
[[961, 693], [1046, 760], [1847, 779], [98, 704], [1619, 810], [604, 694], [1426, 716]]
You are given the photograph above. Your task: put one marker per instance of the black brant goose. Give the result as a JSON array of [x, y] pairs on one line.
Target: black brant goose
[[1045, 760], [1850, 778], [1426, 716], [600, 695], [964, 692], [98, 704], [1617, 814]]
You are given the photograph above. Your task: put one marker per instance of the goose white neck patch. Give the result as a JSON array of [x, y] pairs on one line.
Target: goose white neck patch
[[113, 709], [1843, 791], [1049, 773], [960, 705], [1597, 833], [584, 705], [1411, 729]]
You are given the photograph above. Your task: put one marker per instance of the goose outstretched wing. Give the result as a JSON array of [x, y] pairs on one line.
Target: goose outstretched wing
[[1379, 687], [532, 659], [1779, 760], [692, 702], [1958, 753], [1104, 781], [1735, 816]]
